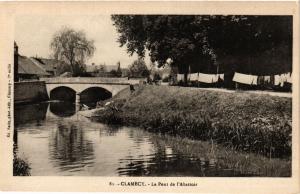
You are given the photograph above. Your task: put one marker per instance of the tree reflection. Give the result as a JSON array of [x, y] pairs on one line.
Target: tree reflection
[[69, 149]]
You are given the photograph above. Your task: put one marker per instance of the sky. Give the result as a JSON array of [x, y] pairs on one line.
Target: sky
[[33, 35]]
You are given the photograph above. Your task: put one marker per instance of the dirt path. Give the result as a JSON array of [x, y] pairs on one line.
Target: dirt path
[[279, 94]]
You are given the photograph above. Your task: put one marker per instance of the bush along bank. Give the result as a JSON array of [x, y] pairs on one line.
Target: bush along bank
[[20, 166], [249, 122]]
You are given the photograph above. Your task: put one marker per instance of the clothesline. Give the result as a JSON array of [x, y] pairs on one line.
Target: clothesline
[[201, 77], [277, 80]]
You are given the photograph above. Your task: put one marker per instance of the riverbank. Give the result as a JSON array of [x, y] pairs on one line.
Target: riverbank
[[20, 166], [252, 123], [242, 164]]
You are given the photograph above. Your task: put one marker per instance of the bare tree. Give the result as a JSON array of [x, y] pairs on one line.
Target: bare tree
[[72, 47]]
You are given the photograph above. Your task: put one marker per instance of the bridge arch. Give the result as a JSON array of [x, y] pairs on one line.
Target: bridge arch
[[63, 93], [94, 94]]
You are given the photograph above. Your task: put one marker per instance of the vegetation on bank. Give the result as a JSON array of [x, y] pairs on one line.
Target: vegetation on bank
[[242, 164], [20, 166], [249, 122]]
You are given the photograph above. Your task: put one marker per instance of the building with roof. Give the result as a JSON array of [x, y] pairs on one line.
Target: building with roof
[[104, 70], [28, 70], [52, 66]]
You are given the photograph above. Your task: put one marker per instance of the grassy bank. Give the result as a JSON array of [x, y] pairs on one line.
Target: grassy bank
[[243, 121]]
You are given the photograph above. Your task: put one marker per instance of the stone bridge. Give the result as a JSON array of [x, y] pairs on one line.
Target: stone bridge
[[85, 89]]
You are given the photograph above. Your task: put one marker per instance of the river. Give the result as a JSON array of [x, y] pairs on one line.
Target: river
[[56, 140]]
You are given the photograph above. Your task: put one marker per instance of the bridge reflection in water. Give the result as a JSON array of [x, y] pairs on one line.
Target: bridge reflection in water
[[53, 125], [62, 109]]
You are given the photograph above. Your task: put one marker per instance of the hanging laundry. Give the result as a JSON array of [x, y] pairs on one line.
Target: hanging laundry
[[284, 77], [267, 79], [289, 78], [245, 79], [188, 77], [180, 77], [205, 78], [194, 76], [255, 77], [261, 80], [277, 80], [215, 78], [272, 79], [281, 79], [221, 76]]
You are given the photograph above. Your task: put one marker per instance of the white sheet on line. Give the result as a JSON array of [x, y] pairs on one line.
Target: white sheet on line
[[194, 76], [205, 78], [180, 77], [221, 76], [245, 79], [289, 78]]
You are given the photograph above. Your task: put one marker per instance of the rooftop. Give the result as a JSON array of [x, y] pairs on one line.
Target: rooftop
[[27, 66]]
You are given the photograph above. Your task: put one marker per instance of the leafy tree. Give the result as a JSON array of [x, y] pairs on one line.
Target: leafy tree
[[62, 67], [205, 42], [138, 69], [166, 37], [72, 47]]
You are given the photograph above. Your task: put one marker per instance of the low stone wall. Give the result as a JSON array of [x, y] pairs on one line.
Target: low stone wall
[[30, 91]]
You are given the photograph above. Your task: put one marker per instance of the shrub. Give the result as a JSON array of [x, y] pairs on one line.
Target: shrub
[[20, 167]]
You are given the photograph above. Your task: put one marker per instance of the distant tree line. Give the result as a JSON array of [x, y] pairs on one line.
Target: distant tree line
[[258, 45]]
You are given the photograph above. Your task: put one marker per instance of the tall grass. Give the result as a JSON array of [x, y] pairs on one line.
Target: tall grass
[[20, 166], [248, 122]]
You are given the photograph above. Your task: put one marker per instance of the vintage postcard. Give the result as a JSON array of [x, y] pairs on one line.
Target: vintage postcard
[[195, 97]]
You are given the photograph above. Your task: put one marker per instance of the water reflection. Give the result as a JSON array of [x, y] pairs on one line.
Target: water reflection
[[109, 130], [28, 114], [63, 109], [163, 161], [55, 144], [69, 149], [166, 160]]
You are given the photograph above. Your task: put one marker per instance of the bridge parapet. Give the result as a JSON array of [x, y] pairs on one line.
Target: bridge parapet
[[87, 80], [93, 80]]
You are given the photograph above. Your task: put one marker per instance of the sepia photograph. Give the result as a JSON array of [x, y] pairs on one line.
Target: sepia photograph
[[150, 97], [153, 95]]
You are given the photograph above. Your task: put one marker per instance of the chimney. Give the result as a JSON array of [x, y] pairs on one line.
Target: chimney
[[16, 62]]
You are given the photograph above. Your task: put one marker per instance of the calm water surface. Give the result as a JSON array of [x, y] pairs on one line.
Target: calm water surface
[[56, 140]]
